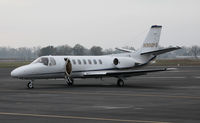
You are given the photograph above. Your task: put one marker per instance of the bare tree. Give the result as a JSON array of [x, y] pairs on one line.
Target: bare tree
[[79, 49], [195, 50], [49, 50], [96, 50], [64, 50]]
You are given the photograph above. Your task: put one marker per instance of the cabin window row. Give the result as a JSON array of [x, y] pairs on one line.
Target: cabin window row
[[88, 61]]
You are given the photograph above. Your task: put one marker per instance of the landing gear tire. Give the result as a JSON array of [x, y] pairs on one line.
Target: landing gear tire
[[120, 82], [30, 85], [69, 81]]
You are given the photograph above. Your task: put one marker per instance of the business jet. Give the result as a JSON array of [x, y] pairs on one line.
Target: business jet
[[123, 65]]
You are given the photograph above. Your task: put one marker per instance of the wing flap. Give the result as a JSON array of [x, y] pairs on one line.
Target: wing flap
[[135, 72], [125, 73]]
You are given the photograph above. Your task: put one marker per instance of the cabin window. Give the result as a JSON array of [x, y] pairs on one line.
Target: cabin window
[[100, 62], [89, 61], [94, 60], [79, 61], [52, 61], [45, 61], [84, 61], [74, 61]]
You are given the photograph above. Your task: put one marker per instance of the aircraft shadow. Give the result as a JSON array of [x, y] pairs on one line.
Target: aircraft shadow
[[133, 86]]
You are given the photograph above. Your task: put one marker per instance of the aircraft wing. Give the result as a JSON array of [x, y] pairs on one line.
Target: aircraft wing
[[122, 73]]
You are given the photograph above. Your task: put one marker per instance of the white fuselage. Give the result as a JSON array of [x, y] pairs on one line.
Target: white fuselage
[[80, 64]]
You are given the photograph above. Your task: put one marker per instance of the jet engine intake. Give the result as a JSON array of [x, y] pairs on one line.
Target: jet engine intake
[[123, 62]]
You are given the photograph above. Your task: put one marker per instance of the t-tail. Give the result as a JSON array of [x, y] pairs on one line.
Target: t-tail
[[151, 43], [152, 40], [150, 48]]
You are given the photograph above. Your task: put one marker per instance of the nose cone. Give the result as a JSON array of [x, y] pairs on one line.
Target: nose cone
[[18, 72], [15, 73]]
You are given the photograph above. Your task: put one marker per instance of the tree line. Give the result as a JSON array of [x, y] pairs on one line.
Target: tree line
[[67, 50], [25, 53], [193, 52]]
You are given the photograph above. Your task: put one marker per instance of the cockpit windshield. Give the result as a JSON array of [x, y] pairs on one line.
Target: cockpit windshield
[[48, 61], [43, 60]]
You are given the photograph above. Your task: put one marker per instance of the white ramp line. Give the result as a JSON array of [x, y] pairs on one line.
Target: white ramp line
[[197, 77], [108, 94], [111, 107], [162, 77], [78, 117]]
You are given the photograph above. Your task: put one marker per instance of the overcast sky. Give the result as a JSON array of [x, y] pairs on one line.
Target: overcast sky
[[105, 23]]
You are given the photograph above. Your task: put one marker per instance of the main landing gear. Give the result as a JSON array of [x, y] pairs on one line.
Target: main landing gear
[[30, 84], [69, 81], [120, 82]]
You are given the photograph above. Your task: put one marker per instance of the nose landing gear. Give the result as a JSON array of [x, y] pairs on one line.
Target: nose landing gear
[[30, 84]]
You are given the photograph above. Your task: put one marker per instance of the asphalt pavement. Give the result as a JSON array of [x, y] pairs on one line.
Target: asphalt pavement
[[161, 97]]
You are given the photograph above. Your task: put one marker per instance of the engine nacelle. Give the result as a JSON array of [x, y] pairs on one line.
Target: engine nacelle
[[123, 62]]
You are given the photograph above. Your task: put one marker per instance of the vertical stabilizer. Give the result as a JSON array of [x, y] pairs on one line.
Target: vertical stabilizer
[[152, 39]]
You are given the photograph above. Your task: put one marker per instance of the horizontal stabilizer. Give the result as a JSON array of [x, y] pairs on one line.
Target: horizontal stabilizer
[[161, 51], [124, 50]]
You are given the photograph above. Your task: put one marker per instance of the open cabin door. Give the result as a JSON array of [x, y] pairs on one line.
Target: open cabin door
[[68, 67], [68, 71]]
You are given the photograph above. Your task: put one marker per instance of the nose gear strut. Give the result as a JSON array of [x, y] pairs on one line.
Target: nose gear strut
[[30, 84]]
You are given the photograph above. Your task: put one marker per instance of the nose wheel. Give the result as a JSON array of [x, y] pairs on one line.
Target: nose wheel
[[30, 84]]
